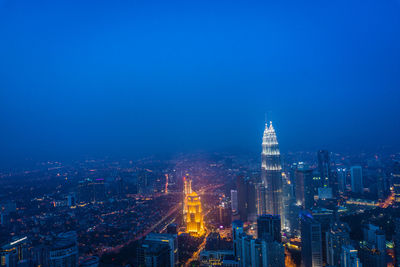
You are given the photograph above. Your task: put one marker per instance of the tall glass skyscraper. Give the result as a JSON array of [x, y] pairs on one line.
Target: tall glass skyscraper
[[271, 171]]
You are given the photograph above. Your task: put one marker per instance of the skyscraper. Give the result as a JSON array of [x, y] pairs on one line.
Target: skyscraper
[[324, 168], [192, 210], [269, 225], [271, 169], [357, 184], [311, 246], [305, 188], [234, 201], [349, 257], [246, 198], [396, 241], [13, 254], [341, 176], [64, 251], [256, 252], [171, 240], [396, 181], [337, 236]]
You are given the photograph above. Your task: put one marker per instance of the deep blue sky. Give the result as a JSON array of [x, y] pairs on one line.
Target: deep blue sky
[[127, 77]]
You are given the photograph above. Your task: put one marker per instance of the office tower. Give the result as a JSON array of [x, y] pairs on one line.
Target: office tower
[[371, 257], [324, 168], [261, 198], [171, 240], [271, 171], [288, 198], [383, 184], [98, 190], [64, 250], [143, 182], [224, 214], [14, 253], [337, 236], [234, 201], [192, 210], [396, 241], [396, 181], [153, 254], [311, 248], [260, 252], [349, 257], [246, 193], [342, 179], [294, 211], [325, 217], [372, 251], [305, 189], [357, 184], [374, 236], [217, 252], [269, 225], [194, 216], [237, 230], [71, 200]]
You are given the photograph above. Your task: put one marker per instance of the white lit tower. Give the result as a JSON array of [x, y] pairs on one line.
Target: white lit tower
[[271, 172]]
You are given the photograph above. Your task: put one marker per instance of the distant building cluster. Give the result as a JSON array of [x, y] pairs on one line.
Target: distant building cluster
[[294, 209]]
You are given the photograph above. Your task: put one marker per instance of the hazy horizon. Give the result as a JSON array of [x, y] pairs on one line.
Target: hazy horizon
[[140, 78]]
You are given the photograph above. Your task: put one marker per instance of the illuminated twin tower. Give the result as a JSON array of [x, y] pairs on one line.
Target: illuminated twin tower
[[270, 192], [192, 211]]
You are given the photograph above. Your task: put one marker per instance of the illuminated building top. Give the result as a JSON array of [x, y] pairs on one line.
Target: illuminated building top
[[270, 150]]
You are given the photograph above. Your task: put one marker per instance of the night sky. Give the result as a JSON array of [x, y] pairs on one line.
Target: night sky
[[141, 77]]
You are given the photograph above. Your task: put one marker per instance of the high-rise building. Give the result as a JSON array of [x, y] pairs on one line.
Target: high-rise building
[[153, 254], [349, 257], [396, 241], [234, 201], [193, 214], [357, 184], [246, 193], [325, 217], [342, 179], [371, 257], [311, 246], [375, 237], [337, 236], [396, 181], [14, 253], [324, 168], [64, 250], [269, 226], [224, 214], [305, 189], [260, 252], [171, 240], [237, 230], [271, 171], [372, 250]]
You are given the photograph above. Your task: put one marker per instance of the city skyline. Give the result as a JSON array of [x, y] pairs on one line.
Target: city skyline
[[148, 133]]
